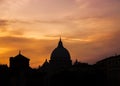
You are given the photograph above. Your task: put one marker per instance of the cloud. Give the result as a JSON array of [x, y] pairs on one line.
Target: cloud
[[1, 1], [6, 30], [3, 26], [3, 22], [96, 9], [102, 46]]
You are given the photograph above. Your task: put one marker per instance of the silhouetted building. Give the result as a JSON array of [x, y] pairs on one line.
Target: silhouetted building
[[60, 60], [59, 71], [60, 57], [111, 68], [110, 62], [45, 66], [4, 75], [19, 62], [3, 66]]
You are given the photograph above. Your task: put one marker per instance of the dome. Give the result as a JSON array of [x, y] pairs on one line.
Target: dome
[[60, 53]]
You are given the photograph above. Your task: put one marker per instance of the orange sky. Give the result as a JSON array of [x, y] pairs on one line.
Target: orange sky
[[89, 28]]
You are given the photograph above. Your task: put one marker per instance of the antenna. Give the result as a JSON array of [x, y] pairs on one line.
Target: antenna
[[19, 51], [60, 37]]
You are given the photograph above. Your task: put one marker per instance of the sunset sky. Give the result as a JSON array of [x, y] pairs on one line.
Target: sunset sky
[[90, 29]]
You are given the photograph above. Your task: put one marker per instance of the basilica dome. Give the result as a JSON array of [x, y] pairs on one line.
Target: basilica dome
[[60, 53]]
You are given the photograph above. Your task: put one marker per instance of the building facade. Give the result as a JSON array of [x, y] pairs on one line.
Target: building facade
[[19, 62]]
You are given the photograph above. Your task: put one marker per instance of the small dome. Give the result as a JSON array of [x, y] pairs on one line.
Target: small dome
[[60, 53]]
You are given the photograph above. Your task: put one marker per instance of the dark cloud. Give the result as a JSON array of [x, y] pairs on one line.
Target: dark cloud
[[8, 22], [59, 21], [3, 22], [1, 1], [5, 27], [20, 21]]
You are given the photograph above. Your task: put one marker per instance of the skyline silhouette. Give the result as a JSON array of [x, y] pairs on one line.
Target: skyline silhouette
[[59, 71], [86, 54], [89, 28], [72, 61], [60, 43]]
